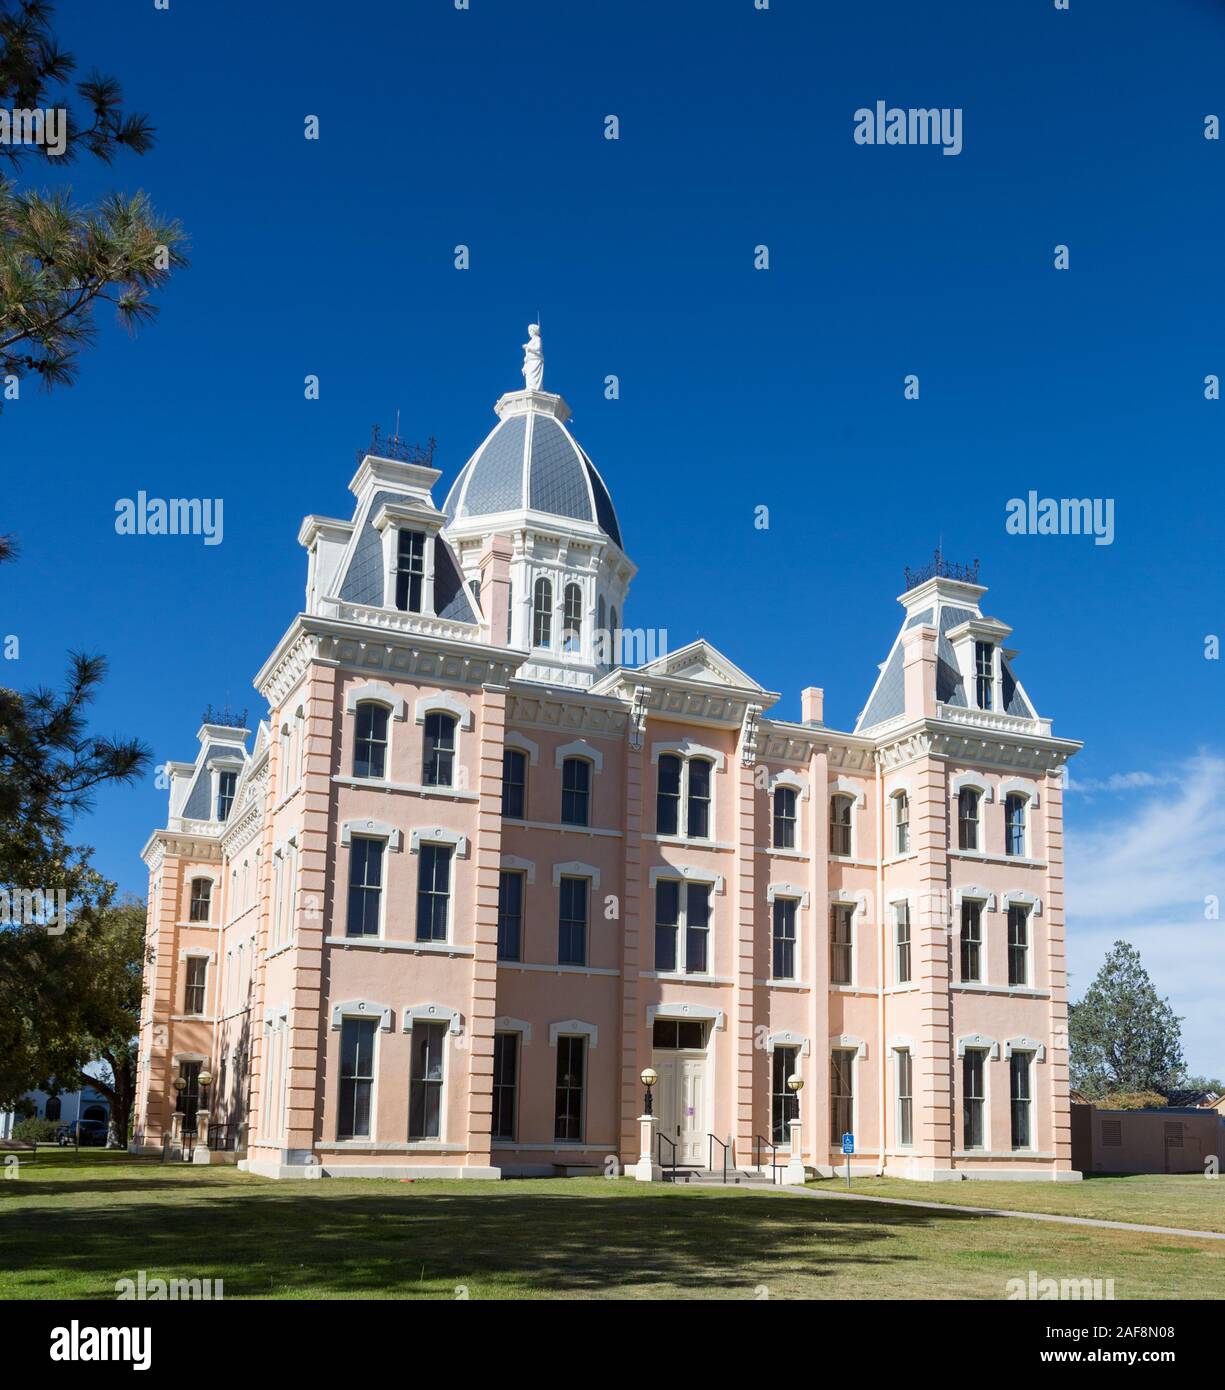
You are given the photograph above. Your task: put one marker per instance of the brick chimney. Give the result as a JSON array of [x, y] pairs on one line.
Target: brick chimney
[[812, 705], [919, 666], [495, 589]]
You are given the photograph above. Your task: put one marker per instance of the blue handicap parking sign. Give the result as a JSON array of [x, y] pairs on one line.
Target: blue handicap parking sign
[[848, 1143]]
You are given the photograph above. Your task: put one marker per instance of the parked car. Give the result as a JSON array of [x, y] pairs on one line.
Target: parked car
[[91, 1132]]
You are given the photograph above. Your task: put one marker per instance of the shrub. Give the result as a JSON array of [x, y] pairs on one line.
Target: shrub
[[1132, 1100], [35, 1131]]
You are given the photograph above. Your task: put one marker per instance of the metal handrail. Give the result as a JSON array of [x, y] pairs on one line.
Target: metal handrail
[[663, 1138], [758, 1141], [710, 1149]]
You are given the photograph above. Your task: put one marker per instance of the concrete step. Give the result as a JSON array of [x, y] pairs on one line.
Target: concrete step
[[707, 1177]]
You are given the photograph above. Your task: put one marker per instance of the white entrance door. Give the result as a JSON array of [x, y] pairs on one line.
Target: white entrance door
[[681, 1099]]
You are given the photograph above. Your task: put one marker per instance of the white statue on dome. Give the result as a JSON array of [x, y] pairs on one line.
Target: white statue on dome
[[533, 359]]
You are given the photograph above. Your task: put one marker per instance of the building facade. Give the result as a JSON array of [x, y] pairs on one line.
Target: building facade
[[493, 854]]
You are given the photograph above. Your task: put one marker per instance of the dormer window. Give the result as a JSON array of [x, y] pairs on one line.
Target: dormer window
[[572, 625], [410, 571], [984, 674], [226, 782], [542, 614]]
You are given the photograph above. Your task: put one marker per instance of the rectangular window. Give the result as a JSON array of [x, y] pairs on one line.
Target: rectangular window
[[193, 993], [902, 932], [841, 958], [1018, 945], [841, 1096], [984, 671], [226, 782], [365, 886], [510, 915], [698, 810], [514, 783], [356, 1077], [784, 1103], [505, 1084], [901, 823], [201, 900], [840, 825], [1018, 1077], [1014, 825], [438, 762], [433, 892], [410, 571], [972, 1098], [667, 918], [425, 1081], [572, 922], [697, 928], [967, 818], [784, 938], [370, 741], [668, 796], [575, 791], [905, 1100], [784, 817], [971, 941], [568, 1108]]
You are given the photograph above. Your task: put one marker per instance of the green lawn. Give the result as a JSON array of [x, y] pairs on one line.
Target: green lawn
[[71, 1227], [1191, 1201]]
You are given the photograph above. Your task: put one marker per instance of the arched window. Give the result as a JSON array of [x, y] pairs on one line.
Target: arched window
[[1014, 823], [201, 900], [668, 796], [603, 645], [614, 641], [967, 818], [542, 614], [698, 808], [901, 823], [840, 824], [576, 792], [370, 743], [95, 1112], [439, 759], [572, 627], [784, 817], [54, 1108], [299, 734]]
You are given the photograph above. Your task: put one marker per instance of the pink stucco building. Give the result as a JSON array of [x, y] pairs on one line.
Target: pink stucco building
[[495, 852]]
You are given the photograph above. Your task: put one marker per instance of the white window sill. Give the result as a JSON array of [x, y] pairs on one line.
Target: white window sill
[[782, 853], [429, 1146], [1001, 1153], [567, 829], [683, 978], [416, 948], [556, 969], [796, 985], [900, 859], [851, 862], [984, 858], [687, 842], [192, 1018], [380, 784], [1020, 991]]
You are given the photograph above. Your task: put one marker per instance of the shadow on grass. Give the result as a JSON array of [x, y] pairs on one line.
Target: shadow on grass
[[400, 1244]]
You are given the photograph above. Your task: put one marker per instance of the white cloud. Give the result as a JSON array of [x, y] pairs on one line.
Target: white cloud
[[1141, 871]]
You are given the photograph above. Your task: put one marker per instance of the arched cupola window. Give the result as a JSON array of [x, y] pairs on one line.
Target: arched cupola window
[[542, 613], [572, 629]]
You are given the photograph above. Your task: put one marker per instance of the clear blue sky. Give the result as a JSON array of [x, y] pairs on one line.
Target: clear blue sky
[[739, 387]]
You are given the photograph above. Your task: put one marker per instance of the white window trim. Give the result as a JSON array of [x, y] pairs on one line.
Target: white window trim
[[686, 1011], [575, 1028], [522, 744], [197, 951], [443, 702], [580, 748], [679, 875], [573, 869], [791, 781], [788, 777], [1024, 1044], [362, 1008], [847, 1042], [432, 1013], [390, 519], [843, 786], [902, 1042], [1014, 786], [788, 890], [899, 789], [1029, 900], [858, 903], [687, 874], [372, 830], [686, 748], [972, 781], [897, 900], [975, 894], [511, 863], [506, 1024], [375, 693], [978, 1042], [786, 1038], [438, 835]]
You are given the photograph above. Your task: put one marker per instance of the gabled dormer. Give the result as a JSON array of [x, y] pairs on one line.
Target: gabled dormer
[[204, 791]]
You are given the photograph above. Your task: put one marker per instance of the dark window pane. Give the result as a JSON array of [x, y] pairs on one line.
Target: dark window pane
[[668, 797], [510, 915], [575, 791], [365, 886], [514, 783], [370, 742], [439, 750], [505, 1084], [410, 571], [572, 922], [433, 892], [667, 915], [425, 1081], [784, 1103], [568, 1111], [699, 798], [356, 1077], [784, 817], [697, 923]]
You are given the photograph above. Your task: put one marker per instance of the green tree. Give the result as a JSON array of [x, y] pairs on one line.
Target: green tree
[[58, 262], [1123, 1036]]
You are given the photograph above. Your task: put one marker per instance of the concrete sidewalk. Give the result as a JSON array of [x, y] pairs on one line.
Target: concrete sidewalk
[[1000, 1211]]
